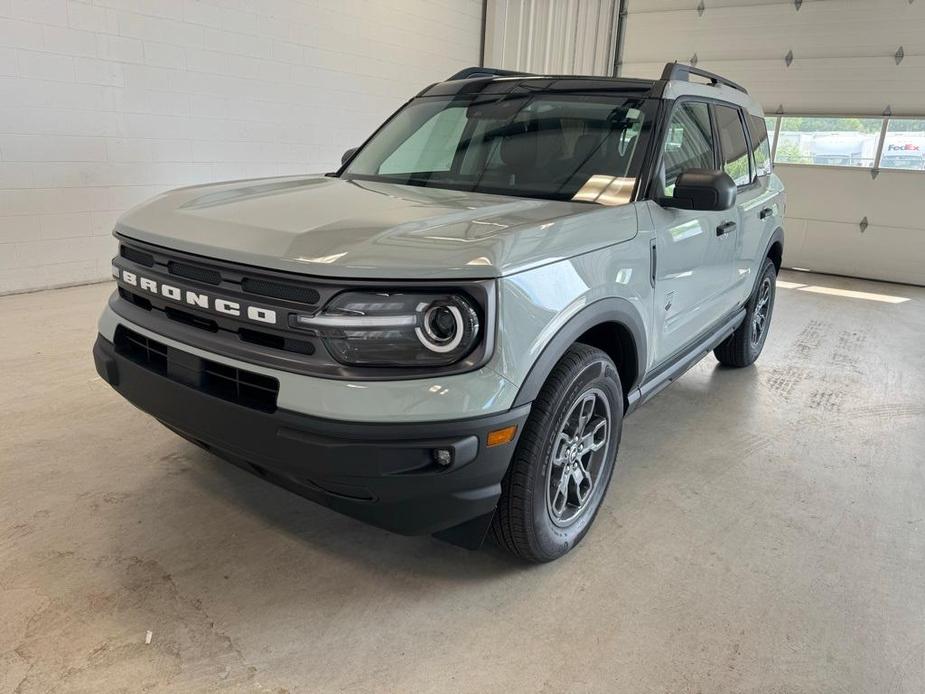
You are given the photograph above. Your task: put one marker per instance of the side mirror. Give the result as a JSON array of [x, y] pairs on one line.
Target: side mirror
[[346, 156], [702, 189]]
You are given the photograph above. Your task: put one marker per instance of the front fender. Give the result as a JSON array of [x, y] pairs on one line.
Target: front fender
[[609, 310], [544, 310]]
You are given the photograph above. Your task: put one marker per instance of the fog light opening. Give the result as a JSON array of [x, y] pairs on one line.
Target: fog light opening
[[442, 456]]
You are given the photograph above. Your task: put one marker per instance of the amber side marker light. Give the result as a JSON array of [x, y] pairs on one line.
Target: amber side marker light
[[499, 437]]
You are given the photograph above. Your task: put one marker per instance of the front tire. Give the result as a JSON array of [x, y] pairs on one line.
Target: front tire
[[564, 459], [745, 344]]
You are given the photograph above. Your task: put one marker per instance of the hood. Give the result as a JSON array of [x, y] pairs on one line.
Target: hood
[[332, 227]]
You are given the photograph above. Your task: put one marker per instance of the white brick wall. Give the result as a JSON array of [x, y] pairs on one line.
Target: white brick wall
[[104, 103]]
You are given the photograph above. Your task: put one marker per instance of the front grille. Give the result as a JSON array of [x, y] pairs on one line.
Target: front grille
[[139, 301], [195, 320], [193, 272], [280, 290], [258, 337], [239, 386], [191, 319], [233, 279], [136, 256]]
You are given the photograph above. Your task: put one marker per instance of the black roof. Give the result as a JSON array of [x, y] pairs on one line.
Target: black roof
[[502, 84], [486, 80]]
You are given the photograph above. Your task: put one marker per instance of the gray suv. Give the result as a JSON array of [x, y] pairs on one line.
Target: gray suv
[[445, 335]]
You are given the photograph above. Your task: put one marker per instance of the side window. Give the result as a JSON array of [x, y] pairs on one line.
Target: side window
[[431, 148], [761, 145], [689, 144], [735, 146]]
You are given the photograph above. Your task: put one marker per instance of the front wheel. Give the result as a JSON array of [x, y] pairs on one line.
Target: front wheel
[[745, 344], [564, 459]]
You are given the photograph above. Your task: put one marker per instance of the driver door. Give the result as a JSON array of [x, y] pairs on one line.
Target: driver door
[[695, 251]]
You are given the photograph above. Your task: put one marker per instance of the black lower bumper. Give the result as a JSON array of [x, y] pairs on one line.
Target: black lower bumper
[[383, 474]]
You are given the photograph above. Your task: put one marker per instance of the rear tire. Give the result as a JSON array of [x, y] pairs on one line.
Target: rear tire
[[564, 460], [745, 344]]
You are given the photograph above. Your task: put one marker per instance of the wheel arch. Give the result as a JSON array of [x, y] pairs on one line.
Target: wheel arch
[[775, 248], [614, 326]]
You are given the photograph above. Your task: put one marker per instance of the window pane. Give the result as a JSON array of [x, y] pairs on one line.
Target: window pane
[[586, 147], [761, 147], [689, 144], [431, 148], [828, 141], [904, 147], [771, 124], [735, 146]]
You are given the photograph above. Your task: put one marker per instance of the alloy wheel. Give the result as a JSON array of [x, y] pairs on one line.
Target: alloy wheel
[[762, 311], [578, 455]]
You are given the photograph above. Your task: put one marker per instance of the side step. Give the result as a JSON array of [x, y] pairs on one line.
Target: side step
[[675, 367]]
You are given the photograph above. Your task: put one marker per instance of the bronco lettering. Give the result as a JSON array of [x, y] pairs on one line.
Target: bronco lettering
[[198, 299]]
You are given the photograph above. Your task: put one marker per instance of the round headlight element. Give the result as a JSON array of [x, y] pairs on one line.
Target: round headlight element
[[443, 328], [446, 323], [384, 328]]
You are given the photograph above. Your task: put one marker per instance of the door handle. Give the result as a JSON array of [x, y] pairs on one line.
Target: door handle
[[725, 228], [653, 263], [765, 213]]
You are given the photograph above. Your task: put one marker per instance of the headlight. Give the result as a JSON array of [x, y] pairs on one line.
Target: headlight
[[397, 329]]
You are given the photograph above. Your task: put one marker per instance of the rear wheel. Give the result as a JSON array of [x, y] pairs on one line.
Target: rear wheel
[[564, 459], [745, 344]]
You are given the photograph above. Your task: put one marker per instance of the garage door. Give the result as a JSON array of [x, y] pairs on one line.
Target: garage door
[[848, 79]]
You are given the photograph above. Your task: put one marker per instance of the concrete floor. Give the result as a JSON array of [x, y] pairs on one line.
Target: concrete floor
[[765, 532]]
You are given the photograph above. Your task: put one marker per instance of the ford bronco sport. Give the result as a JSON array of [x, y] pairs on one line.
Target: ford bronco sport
[[445, 335]]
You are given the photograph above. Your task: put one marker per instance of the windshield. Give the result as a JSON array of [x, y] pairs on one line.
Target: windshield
[[554, 146]]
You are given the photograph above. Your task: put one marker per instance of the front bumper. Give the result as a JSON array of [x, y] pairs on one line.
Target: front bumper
[[380, 473]]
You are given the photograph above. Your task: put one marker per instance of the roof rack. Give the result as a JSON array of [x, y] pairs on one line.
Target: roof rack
[[472, 72], [679, 71]]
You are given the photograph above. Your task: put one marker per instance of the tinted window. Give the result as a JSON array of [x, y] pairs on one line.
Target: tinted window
[[735, 146], [689, 144], [761, 146]]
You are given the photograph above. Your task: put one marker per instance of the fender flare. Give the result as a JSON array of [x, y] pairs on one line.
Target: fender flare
[[777, 236], [610, 310]]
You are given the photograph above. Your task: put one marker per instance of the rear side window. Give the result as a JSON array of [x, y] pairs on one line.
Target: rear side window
[[761, 145], [735, 145], [689, 144]]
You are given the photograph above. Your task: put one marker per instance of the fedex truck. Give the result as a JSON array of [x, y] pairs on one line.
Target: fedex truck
[[901, 151], [844, 149]]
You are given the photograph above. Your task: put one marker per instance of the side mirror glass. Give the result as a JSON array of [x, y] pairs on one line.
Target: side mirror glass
[[345, 157], [702, 189]]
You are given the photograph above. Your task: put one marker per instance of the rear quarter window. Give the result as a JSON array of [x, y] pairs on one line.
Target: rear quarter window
[[761, 145], [735, 146]]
